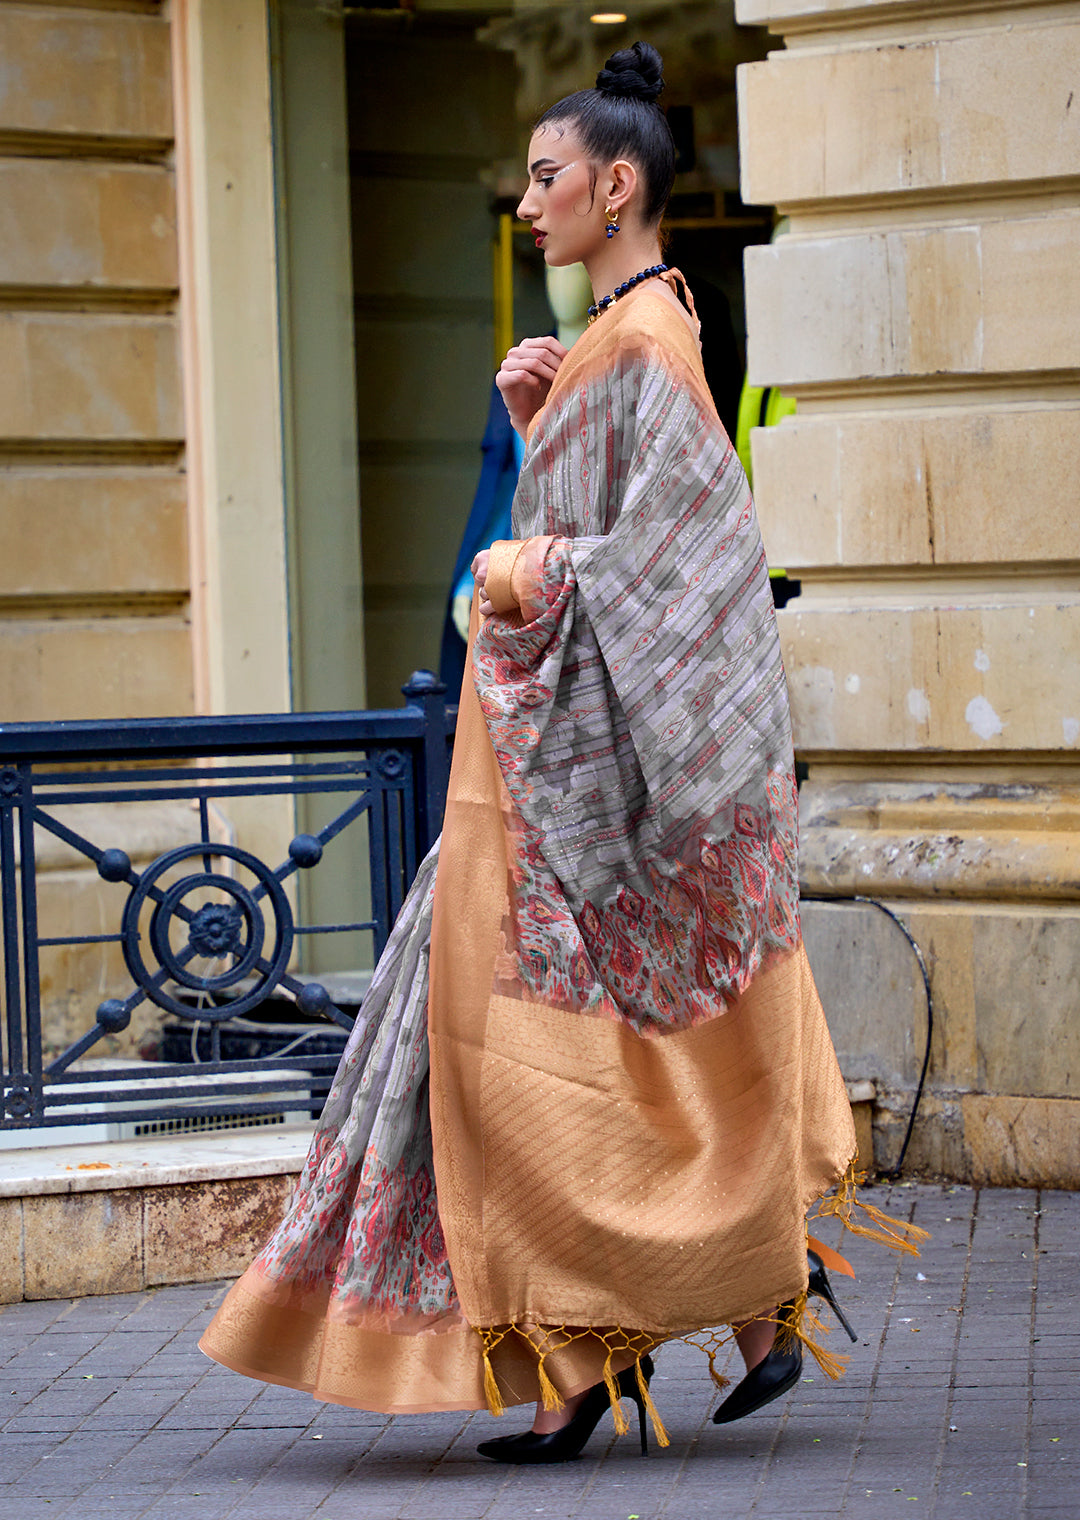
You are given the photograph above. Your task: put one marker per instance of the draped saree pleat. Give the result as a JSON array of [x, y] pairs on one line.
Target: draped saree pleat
[[591, 1093]]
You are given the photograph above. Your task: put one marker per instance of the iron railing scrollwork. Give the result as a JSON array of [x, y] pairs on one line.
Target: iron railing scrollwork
[[207, 929]]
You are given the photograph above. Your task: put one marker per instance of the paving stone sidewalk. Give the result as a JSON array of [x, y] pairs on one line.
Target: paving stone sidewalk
[[960, 1400]]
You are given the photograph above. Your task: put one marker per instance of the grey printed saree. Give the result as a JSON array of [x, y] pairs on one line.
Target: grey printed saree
[[591, 1093]]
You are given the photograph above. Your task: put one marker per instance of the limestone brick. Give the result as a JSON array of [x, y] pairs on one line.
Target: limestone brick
[[894, 119], [107, 668], [81, 1243], [11, 1251], [982, 958], [74, 376], [863, 1117], [101, 75], [1022, 1142], [870, 990], [199, 1231], [940, 839], [70, 224], [92, 533], [916, 488], [875, 305], [1001, 1076], [915, 677]]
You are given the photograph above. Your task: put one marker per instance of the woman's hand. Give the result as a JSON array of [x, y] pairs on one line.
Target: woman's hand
[[479, 571], [525, 377]]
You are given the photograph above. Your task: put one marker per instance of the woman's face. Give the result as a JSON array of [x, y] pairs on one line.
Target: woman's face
[[567, 217]]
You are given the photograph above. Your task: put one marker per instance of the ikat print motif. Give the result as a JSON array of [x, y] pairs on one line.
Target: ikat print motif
[[641, 722]]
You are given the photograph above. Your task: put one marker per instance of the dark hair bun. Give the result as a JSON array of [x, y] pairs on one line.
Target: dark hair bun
[[635, 73]]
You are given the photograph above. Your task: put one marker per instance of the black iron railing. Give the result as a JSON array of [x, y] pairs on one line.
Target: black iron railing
[[208, 930]]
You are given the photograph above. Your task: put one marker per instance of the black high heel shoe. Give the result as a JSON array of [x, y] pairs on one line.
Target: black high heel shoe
[[567, 1442], [780, 1370]]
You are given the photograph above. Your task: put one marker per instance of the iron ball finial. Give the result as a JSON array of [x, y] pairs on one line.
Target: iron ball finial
[[114, 865], [313, 999], [113, 1015], [305, 851]]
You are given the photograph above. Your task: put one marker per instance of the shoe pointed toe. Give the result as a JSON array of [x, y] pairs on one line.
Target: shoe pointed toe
[[769, 1380]]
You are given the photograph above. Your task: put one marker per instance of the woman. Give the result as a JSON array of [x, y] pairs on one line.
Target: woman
[[632, 1097]]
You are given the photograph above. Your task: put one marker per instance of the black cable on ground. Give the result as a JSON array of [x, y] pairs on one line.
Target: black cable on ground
[[872, 902]]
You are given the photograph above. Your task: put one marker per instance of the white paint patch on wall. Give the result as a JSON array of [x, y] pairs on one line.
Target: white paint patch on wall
[[852, 684], [1070, 728], [918, 705], [982, 660], [982, 719]]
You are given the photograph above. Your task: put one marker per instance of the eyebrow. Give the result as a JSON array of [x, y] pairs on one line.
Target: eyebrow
[[541, 163]]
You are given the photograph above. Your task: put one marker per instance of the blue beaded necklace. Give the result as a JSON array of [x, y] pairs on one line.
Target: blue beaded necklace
[[621, 290]]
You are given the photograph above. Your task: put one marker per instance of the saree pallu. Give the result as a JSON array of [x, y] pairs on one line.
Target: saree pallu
[[591, 1093]]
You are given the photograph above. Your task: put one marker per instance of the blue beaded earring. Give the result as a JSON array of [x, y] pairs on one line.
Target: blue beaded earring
[[612, 221]]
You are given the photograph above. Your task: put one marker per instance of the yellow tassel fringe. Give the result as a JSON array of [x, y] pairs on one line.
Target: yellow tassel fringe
[[798, 1323], [841, 1204]]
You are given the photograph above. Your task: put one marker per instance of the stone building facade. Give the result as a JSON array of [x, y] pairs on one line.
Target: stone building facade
[[925, 310], [181, 522]]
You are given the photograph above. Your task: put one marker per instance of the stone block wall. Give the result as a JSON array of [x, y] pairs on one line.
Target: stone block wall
[[94, 574], [94, 579], [924, 308]]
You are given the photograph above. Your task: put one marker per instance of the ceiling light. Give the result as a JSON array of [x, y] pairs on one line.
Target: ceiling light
[[608, 18]]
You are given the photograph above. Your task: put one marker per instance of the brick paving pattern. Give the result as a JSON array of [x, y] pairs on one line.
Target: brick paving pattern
[[960, 1400]]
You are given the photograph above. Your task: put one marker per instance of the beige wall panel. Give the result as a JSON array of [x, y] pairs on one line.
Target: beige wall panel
[[68, 223], [1041, 955], [109, 668], [918, 677], [977, 110], [968, 300], [870, 989], [94, 533], [105, 74], [78, 376], [957, 488]]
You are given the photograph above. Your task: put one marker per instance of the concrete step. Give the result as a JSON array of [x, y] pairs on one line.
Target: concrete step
[[120, 1216]]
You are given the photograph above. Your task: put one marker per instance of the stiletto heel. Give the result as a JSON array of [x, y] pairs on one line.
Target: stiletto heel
[[820, 1286], [567, 1442], [643, 1429]]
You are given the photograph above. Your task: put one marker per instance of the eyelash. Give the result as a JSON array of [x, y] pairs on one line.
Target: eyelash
[[547, 180]]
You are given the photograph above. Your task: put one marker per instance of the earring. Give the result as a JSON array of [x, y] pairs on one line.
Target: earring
[[612, 221]]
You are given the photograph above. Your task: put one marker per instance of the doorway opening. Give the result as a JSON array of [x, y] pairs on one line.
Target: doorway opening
[[440, 103]]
